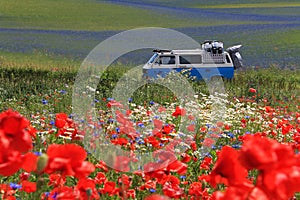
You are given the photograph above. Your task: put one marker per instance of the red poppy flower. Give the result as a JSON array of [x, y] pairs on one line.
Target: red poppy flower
[[206, 163], [120, 141], [153, 141], [29, 162], [24, 176], [56, 180], [114, 103], [64, 192], [178, 112], [60, 120], [68, 159], [208, 142], [125, 181], [150, 184], [7, 192], [102, 165], [172, 190], [10, 162], [100, 178], [177, 166], [156, 197], [161, 109], [157, 123], [167, 129], [87, 189], [246, 191], [121, 163], [191, 127], [130, 193], [263, 153], [227, 169], [109, 188], [196, 189], [13, 132], [28, 186], [280, 183], [185, 157]]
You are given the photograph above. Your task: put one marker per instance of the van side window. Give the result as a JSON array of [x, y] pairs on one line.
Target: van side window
[[190, 59], [166, 60]]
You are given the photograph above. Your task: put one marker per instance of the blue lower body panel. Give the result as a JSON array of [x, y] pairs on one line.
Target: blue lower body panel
[[195, 73]]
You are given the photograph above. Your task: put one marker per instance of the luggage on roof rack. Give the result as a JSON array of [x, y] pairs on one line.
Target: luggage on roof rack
[[213, 46]]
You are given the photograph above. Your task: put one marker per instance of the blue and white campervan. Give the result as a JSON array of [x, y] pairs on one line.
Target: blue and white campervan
[[205, 63]]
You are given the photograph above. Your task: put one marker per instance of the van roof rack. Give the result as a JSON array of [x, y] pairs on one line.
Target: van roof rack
[[161, 50]]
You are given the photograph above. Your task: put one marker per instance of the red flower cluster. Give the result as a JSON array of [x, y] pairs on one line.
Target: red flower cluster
[[68, 159], [66, 126], [15, 141], [278, 167]]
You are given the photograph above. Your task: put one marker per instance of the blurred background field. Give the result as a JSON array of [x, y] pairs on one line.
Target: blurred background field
[[42, 44]]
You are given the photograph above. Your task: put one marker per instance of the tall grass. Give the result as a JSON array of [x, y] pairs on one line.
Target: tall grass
[[33, 88]]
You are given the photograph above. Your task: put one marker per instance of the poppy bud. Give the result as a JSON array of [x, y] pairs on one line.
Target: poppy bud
[[42, 162], [252, 90]]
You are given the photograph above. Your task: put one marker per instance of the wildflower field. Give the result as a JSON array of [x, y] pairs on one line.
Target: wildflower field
[[171, 149]]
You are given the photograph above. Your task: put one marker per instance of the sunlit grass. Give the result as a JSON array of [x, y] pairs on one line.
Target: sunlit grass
[[38, 62]]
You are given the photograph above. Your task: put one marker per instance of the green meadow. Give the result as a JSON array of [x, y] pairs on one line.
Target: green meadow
[[86, 15]]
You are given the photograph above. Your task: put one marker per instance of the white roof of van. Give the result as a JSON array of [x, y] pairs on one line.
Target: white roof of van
[[188, 51]]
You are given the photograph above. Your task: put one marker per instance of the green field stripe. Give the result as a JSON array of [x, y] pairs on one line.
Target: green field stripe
[[252, 5], [89, 15]]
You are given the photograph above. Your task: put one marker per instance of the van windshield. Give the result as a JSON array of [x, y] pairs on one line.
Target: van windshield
[[152, 59]]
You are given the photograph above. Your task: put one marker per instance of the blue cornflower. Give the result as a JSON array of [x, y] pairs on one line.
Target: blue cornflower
[[141, 125], [47, 194], [37, 153], [141, 142], [114, 136], [230, 135], [15, 186], [236, 146], [152, 190], [63, 91], [44, 101]]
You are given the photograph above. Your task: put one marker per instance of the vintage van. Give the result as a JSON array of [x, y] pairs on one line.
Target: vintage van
[[205, 63]]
